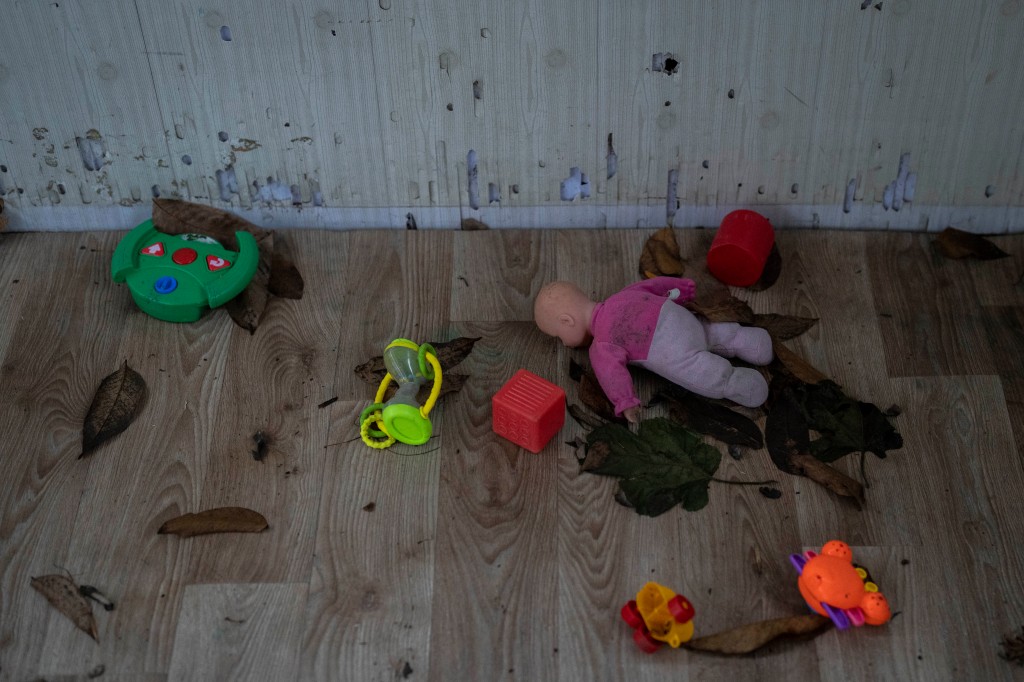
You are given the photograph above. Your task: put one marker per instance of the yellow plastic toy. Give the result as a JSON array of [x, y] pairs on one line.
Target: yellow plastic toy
[[659, 615], [401, 418]]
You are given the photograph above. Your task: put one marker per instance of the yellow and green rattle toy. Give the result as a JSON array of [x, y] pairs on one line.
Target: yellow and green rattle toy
[[401, 418]]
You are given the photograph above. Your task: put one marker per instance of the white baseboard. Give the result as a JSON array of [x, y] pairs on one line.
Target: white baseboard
[[980, 219]]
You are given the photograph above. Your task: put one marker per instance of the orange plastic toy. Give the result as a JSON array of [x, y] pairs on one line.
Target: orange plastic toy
[[833, 586], [659, 615]]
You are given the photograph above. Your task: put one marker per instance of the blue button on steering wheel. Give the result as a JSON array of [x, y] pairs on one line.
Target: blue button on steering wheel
[[165, 285]]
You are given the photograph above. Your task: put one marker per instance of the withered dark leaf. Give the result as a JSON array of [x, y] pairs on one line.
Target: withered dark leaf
[[784, 327], [786, 435], [576, 370], [63, 594], [771, 272], [712, 419], [472, 224], [118, 400], [1013, 648], [285, 279], [719, 305], [795, 366], [954, 243], [592, 396], [247, 308], [660, 256], [770, 493], [747, 638], [3, 217], [174, 216], [219, 520], [844, 424], [584, 418], [262, 443]]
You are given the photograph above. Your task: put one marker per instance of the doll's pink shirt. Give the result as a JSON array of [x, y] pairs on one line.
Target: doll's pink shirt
[[623, 327]]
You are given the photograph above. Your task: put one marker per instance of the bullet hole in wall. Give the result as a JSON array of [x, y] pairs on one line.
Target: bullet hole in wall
[[225, 34], [222, 136], [732, 94]]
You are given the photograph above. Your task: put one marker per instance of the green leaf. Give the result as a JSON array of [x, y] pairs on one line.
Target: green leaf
[[661, 466]]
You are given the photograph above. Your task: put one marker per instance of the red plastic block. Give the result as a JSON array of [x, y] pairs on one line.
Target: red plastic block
[[528, 410]]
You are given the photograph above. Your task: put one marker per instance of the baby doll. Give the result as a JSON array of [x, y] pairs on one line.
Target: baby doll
[[645, 324]]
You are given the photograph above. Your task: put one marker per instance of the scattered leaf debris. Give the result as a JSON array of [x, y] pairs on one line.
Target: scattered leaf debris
[[219, 520], [718, 304], [262, 445], [956, 244], [63, 594], [584, 418], [115, 405], [789, 363], [449, 354], [751, 637], [406, 670], [369, 507], [770, 493], [329, 401], [660, 256], [248, 307], [662, 465]]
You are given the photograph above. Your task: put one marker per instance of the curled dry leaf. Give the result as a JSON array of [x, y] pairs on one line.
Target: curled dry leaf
[[660, 257], [219, 520], [954, 243], [718, 304], [784, 327], [753, 636], [584, 418], [247, 308], [115, 405], [592, 396], [472, 224], [174, 216], [63, 594], [794, 365], [285, 279]]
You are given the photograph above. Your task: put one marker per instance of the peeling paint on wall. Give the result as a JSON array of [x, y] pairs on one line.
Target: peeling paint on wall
[[92, 149], [576, 185], [473, 180]]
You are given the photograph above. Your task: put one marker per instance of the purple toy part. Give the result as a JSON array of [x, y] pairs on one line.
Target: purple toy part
[[837, 616], [798, 562]]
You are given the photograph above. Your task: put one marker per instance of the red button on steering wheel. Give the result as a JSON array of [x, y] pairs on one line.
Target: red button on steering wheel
[[184, 256]]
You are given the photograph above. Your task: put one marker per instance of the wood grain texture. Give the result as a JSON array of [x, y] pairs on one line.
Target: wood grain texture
[[468, 558], [239, 632]]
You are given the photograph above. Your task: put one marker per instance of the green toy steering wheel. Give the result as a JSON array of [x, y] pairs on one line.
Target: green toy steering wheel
[[177, 277]]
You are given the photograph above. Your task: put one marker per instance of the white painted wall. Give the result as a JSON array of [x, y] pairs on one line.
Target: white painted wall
[[345, 114]]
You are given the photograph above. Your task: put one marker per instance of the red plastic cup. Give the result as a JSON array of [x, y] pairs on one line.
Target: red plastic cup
[[741, 247]]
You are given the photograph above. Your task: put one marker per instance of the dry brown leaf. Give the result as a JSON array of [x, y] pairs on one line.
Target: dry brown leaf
[[592, 396], [219, 520], [795, 365], [719, 305], [751, 637], [3, 218], [63, 594], [825, 475], [285, 279], [660, 257], [471, 224], [118, 400], [954, 243], [584, 418], [174, 216], [784, 327], [247, 308]]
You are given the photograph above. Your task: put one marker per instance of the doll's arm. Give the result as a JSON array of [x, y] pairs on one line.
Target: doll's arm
[[609, 363], [678, 289]]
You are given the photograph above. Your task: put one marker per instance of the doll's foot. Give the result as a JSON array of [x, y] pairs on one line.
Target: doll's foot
[[753, 345], [747, 387]]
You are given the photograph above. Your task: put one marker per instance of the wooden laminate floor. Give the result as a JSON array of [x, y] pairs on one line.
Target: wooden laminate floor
[[476, 560]]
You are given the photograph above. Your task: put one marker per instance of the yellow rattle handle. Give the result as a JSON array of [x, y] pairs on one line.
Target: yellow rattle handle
[[435, 391], [379, 398], [364, 431]]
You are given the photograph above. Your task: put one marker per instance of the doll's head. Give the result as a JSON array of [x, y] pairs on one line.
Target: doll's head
[[563, 310]]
